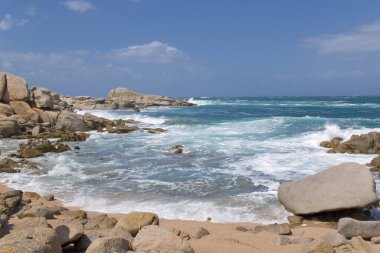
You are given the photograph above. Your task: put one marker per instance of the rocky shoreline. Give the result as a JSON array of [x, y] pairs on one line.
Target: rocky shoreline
[[331, 208]]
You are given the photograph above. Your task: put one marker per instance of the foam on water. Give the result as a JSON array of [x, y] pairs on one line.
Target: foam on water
[[236, 153]]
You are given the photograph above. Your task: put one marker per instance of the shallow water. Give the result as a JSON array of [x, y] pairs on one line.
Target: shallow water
[[237, 151]]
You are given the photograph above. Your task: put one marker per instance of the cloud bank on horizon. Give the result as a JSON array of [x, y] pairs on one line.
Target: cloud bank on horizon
[[87, 47]]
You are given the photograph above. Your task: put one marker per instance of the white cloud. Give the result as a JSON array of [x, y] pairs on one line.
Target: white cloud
[[78, 5], [6, 23], [155, 52], [365, 38], [31, 11]]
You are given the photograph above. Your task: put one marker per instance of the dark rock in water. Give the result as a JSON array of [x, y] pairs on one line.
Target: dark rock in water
[[9, 201], [11, 166], [177, 149], [375, 163], [351, 228], [345, 186], [154, 130], [70, 137], [122, 129], [37, 147], [331, 144], [279, 229]]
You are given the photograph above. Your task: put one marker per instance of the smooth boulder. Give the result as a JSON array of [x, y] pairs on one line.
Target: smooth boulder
[[351, 228], [16, 89], [38, 239], [25, 111], [110, 244], [155, 239], [134, 221], [3, 84], [345, 186]]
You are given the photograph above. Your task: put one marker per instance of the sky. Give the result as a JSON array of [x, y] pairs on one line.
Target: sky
[[192, 48]]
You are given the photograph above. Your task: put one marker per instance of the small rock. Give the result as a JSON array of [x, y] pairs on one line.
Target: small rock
[[32, 195], [358, 243], [282, 240], [201, 232], [242, 229], [36, 130], [49, 197], [279, 229], [295, 220], [109, 245]]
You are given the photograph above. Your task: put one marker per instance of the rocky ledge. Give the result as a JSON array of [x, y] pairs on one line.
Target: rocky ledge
[[39, 112]]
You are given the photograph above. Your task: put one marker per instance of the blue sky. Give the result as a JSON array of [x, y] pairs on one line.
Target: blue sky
[[194, 47]]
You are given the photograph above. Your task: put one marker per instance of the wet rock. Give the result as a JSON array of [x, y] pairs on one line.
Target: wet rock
[[177, 149], [351, 228], [134, 221], [122, 129], [155, 239], [37, 211], [69, 137], [154, 130], [9, 201], [345, 186], [360, 144], [279, 229], [37, 147], [109, 245], [95, 122], [9, 166], [38, 239], [331, 144]]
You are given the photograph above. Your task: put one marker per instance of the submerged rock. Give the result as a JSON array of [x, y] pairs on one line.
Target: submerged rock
[[345, 186], [37, 147]]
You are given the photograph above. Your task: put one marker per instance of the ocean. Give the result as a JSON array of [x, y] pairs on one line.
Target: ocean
[[236, 153]]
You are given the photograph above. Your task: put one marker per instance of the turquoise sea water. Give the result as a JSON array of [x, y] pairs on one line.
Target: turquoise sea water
[[237, 152]]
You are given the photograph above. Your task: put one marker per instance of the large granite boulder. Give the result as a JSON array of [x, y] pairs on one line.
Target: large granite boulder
[[70, 121], [37, 239], [110, 244], [6, 110], [42, 98], [16, 89], [3, 84], [351, 228], [25, 111], [155, 239], [69, 232], [345, 186], [8, 127], [134, 221]]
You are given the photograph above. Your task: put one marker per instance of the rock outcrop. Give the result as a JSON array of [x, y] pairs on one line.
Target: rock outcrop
[[357, 144], [134, 221], [345, 186]]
